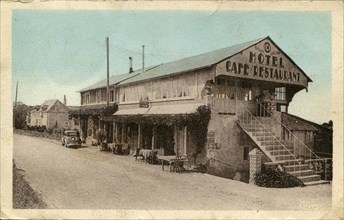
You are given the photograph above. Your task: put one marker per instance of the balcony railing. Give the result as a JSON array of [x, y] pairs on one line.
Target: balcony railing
[[229, 106]]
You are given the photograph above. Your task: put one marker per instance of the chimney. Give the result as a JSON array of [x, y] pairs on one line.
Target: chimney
[[64, 100], [143, 58], [130, 65]]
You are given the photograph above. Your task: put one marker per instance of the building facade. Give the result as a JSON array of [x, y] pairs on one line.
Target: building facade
[[51, 114], [232, 88]]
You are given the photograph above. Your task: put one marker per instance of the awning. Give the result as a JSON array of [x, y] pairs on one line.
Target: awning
[[161, 110]]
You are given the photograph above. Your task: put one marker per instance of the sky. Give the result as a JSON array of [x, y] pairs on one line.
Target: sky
[[59, 52]]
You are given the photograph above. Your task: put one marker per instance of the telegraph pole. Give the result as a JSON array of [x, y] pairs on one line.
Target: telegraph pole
[[15, 102], [107, 72]]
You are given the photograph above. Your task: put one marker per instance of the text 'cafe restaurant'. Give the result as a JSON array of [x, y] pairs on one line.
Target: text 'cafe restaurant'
[[199, 107]]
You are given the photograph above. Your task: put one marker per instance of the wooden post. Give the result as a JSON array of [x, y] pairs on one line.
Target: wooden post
[[139, 136], [185, 139], [235, 95], [114, 134], [123, 133], [153, 137], [176, 145], [107, 72]]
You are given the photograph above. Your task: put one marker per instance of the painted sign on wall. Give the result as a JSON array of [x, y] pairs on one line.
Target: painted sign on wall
[[263, 61]]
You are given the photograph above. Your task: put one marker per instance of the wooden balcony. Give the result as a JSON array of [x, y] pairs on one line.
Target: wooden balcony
[[228, 106]]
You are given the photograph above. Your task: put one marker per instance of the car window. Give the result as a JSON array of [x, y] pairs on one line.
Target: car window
[[71, 133]]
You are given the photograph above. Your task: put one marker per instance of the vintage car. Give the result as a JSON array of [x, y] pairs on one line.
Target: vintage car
[[71, 138]]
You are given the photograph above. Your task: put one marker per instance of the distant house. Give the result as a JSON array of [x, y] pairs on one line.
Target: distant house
[[51, 114], [317, 137]]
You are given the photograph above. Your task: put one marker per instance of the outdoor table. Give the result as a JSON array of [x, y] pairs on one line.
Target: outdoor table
[[146, 153], [171, 160]]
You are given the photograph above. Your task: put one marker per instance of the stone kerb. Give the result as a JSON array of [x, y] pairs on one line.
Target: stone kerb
[[255, 164]]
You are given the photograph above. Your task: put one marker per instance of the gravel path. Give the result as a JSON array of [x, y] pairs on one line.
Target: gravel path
[[86, 178]]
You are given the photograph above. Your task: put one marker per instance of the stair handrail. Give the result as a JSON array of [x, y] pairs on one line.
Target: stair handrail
[[297, 160], [317, 157]]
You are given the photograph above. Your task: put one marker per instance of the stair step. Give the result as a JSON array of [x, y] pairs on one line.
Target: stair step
[[244, 120], [284, 162], [291, 168], [267, 138], [284, 157], [302, 173], [310, 178], [317, 182], [269, 143], [251, 128], [279, 147], [280, 152], [262, 133]]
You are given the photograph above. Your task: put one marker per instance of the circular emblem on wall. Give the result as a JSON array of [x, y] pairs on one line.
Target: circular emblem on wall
[[267, 47]]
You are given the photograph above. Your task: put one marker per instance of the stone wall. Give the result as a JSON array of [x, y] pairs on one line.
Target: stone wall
[[227, 155]]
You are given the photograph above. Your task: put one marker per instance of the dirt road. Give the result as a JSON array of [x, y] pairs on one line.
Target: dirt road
[[86, 178]]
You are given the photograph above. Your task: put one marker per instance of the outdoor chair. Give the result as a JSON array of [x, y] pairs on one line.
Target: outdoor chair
[[137, 155], [125, 149], [177, 165]]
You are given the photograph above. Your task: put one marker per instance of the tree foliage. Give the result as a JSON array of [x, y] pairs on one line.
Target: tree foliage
[[19, 116]]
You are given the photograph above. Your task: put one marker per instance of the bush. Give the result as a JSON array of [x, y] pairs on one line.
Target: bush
[[40, 128], [276, 179], [101, 136], [49, 130]]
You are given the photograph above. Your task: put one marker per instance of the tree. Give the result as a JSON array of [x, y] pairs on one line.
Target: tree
[[19, 116]]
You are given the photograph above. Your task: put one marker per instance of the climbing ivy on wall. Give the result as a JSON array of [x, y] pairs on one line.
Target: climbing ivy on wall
[[104, 112], [198, 127], [197, 123]]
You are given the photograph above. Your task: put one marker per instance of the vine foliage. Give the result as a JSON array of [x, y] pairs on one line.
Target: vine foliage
[[197, 123], [106, 112]]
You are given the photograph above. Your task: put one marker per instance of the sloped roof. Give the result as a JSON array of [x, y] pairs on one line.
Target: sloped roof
[[295, 123], [182, 65], [178, 66], [46, 106], [113, 80], [192, 63]]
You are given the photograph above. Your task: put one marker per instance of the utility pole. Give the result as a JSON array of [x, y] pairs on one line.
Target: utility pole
[[143, 58], [107, 73], [15, 102]]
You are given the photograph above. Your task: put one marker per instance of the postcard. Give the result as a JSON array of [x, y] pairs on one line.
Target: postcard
[[172, 110]]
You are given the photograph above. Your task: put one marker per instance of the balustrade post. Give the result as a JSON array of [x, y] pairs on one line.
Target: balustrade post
[[255, 164]]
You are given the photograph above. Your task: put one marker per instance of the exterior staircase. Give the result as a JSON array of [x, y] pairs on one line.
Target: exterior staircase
[[280, 152]]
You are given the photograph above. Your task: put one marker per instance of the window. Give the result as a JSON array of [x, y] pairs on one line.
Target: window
[[87, 98], [246, 152], [123, 98], [248, 96], [172, 89], [280, 93], [112, 95], [98, 96], [308, 136], [283, 108]]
